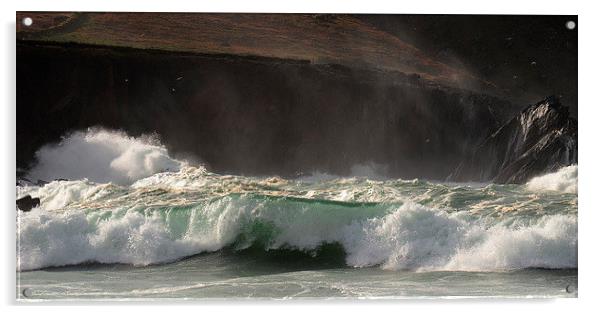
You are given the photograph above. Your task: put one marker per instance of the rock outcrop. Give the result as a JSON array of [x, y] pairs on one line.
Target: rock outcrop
[[27, 202], [542, 138]]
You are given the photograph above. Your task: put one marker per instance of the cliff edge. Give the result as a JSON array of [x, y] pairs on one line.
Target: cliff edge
[[542, 138]]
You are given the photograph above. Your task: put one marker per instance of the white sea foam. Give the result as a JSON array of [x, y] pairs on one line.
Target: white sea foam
[[564, 180], [187, 177], [407, 237], [102, 156], [59, 194], [73, 238], [550, 243], [229, 210], [419, 238]]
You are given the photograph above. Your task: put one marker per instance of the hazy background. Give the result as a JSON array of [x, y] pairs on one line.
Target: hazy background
[[526, 56]]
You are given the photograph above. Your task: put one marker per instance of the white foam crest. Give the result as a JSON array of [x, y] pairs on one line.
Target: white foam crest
[[565, 180], [411, 236], [418, 238], [102, 156], [59, 194], [130, 237], [73, 238], [551, 243], [187, 177]]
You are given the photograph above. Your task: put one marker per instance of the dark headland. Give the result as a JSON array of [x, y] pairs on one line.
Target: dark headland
[[277, 94]]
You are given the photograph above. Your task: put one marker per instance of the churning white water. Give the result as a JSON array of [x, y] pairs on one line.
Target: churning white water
[[127, 201], [102, 156], [410, 236], [564, 180]]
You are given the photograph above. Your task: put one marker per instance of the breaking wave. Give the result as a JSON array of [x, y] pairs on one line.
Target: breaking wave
[[127, 201], [408, 236], [102, 156], [565, 180]]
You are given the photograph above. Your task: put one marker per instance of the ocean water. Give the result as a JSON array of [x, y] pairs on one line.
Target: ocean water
[[129, 221]]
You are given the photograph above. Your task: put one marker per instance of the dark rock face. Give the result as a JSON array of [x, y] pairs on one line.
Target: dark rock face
[[252, 116], [542, 138], [27, 202]]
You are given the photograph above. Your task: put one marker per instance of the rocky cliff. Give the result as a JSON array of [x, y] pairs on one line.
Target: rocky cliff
[[252, 115], [542, 138]]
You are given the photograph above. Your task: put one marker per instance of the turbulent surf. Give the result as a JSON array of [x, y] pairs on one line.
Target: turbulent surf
[[393, 224]]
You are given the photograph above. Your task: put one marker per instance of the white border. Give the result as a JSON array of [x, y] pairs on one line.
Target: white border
[[323, 6], [589, 129]]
